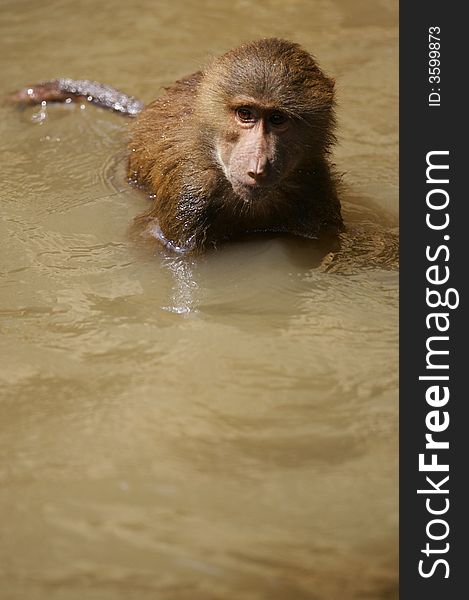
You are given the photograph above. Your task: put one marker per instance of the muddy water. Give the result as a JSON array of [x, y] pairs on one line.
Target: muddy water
[[219, 428]]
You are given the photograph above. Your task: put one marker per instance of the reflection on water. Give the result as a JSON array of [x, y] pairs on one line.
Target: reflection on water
[[183, 298], [212, 428]]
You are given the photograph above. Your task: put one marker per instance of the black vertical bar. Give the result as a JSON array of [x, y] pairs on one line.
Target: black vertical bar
[[433, 123]]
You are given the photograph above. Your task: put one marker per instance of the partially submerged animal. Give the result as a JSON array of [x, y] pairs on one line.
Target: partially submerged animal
[[242, 147]]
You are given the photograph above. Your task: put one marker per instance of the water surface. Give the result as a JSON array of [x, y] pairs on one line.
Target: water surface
[[175, 428]]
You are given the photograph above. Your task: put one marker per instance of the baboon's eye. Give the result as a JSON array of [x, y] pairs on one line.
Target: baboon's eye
[[245, 115], [278, 118]]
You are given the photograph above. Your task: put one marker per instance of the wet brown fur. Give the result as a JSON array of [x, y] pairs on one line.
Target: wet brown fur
[[43, 92], [173, 150]]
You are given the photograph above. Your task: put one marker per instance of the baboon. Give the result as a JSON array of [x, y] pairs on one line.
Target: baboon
[[242, 146]]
